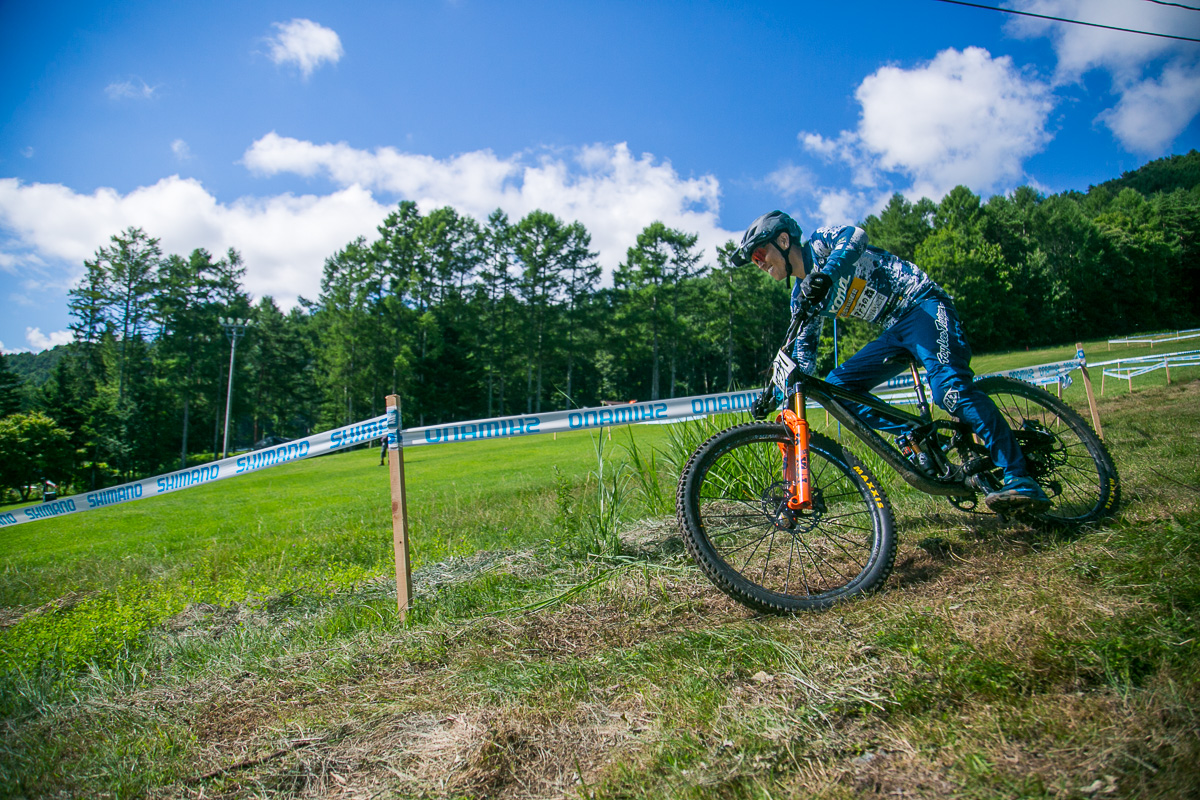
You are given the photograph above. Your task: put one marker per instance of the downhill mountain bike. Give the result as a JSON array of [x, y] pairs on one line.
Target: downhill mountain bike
[[782, 518]]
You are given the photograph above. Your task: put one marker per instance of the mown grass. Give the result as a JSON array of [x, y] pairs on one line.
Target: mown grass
[[253, 647], [311, 528]]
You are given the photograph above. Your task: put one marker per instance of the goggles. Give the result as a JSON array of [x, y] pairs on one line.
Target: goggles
[[757, 254]]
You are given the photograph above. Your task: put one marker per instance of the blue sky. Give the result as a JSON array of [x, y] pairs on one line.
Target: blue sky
[[286, 129]]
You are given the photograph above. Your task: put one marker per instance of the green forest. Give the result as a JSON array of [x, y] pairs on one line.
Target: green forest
[[466, 319]]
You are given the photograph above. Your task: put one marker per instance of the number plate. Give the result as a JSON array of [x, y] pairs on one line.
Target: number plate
[[784, 366]]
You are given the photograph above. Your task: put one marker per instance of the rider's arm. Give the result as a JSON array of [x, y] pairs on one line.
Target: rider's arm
[[835, 247], [805, 351], [834, 250]]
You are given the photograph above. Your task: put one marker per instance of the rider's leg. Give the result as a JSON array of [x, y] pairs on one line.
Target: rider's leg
[[865, 370], [933, 334]]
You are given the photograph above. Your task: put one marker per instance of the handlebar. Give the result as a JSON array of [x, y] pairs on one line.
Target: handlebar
[[805, 312], [802, 315]]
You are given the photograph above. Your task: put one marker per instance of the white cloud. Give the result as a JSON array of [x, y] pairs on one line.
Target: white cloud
[[181, 150], [1153, 78], [1152, 113], [1081, 48], [27, 152], [792, 181], [40, 341], [842, 206], [130, 90], [818, 145], [605, 187], [962, 118], [285, 239], [306, 44]]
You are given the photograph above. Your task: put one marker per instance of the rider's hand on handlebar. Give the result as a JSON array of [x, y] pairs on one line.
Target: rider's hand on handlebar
[[815, 286], [765, 404]]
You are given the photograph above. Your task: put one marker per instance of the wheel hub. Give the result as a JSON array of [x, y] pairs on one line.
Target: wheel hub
[[775, 507], [1044, 453]]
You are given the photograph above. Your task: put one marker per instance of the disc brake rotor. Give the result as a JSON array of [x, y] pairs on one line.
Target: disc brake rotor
[[774, 505], [1044, 452]]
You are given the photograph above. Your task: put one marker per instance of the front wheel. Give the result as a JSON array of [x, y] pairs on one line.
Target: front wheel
[[732, 510], [1062, 452]]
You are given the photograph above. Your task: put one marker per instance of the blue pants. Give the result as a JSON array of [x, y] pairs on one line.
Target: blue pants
[[931, 333]]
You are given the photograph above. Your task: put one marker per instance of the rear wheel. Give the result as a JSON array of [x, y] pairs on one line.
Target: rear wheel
[[732, 510], [1062, 452]]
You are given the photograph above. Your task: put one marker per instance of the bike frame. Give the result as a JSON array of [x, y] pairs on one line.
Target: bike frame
[[836, 399]]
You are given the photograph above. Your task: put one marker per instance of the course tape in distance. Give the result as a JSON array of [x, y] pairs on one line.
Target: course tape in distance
[[673, 409], [316, 445], [386, 426], [580, 419]]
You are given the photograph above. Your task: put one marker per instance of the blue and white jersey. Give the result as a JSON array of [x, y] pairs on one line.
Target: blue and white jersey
[[868, 284]]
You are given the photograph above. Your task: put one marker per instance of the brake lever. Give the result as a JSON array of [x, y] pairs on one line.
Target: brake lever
[[764, 404]]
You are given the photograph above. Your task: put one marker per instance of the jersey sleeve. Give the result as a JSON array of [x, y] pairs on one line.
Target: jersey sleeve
[[836, 248], [805, 351]]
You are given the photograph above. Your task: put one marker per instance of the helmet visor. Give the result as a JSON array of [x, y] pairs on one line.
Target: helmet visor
[[754, 251]]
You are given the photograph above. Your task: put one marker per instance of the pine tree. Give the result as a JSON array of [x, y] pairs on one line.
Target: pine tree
[[651, 280], [10, 389], [540, 242]]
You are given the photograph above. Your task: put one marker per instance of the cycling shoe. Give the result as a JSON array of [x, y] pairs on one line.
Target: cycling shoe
[[1019, 495]]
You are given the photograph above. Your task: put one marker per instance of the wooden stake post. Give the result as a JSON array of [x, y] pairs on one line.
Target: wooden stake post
[[1087, 384], [399, 507]]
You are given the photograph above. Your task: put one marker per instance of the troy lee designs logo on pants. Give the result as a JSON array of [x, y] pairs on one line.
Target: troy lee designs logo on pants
[[943, 325]]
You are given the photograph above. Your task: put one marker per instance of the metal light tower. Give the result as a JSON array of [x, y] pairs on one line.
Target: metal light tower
[[234, 329]]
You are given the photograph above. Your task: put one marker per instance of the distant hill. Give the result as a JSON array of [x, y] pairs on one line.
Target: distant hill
[[1162, 175], [34, 369]]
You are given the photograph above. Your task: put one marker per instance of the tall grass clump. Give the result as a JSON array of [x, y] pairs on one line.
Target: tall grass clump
[[684, 437], [611, 480], [647, 476]]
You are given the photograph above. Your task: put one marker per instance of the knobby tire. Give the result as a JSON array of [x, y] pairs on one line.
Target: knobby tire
[[729, 506]]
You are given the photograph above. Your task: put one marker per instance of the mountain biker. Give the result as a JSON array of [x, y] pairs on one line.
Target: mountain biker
[[842, 277]]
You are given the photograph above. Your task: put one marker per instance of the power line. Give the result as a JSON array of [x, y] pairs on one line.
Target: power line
[[1072, 21], [1177, 5]]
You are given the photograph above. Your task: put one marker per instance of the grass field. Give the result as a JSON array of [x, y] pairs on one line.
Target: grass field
[[240, 639]]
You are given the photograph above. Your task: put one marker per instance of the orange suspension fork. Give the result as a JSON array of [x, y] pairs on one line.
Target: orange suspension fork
[[795, 454]]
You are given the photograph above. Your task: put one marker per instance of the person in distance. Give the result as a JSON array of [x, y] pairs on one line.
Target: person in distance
[[841, 276]]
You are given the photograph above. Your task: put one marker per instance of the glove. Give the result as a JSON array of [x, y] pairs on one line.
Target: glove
[[815, 286], [765, 403]]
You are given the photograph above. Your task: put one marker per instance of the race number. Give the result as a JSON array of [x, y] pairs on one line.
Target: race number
[[782, 370]]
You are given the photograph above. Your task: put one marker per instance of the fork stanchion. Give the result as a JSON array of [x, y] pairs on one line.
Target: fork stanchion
[[1087, 385], [399, 507]]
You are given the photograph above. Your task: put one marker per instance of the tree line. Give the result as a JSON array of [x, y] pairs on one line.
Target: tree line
[[466, 319]]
